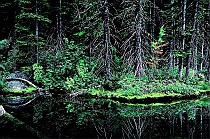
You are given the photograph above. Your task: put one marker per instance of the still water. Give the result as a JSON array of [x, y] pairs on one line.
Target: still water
[[98, 118]]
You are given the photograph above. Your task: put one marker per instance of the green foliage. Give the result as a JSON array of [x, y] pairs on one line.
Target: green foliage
[[205, 101], [2, 82], [38, 73], [67, 69], [33, 16], [69, 108], [4, 44], [82, 79], [79, 33], [160, 39], [205, 1], [49, 78], [83, 118], [4, 65]]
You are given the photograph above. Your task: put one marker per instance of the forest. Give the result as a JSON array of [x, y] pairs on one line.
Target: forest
[[75, 53]]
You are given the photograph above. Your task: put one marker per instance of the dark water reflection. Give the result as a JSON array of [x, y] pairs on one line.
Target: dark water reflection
[[187, 119], [91, 118]]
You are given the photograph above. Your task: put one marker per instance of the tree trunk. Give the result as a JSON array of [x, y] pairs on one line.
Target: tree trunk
[[202, 53], [209, 66], [14, 47], [58, 41], [91, 42], [139, 71], [37, 34], [181, 62], [171, 44], [192, 42], [207, 48], [107, 42], [208, 37], [60, 23]]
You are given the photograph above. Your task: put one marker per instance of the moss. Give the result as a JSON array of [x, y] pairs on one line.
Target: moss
[[119, 94], [26, 90]]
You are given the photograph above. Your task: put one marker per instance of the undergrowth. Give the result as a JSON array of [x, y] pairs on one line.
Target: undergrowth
[[160, 83]]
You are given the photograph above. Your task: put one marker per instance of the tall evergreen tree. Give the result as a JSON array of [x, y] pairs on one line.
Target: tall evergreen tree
[[37, 33], [181, 60], [139, 71], [107, 41], [189, 59]]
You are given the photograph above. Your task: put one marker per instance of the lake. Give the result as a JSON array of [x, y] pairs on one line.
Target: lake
[[98, 118]]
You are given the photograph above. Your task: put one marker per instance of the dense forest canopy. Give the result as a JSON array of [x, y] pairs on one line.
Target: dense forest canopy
[[78, 44]]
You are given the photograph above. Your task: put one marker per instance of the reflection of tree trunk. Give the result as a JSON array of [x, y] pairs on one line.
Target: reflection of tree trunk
[[134, 127], [201, 122], [19, 123], [104, 127], [191, 127], [180, 116], [171, 124]]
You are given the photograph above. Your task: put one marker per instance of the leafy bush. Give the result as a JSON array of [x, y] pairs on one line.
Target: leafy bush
[[3, 44], [131, 86], [83, 79], [3, 75], [67, 69]]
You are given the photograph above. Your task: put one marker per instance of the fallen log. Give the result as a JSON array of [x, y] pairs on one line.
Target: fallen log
[[24, 80], [40, 91]]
